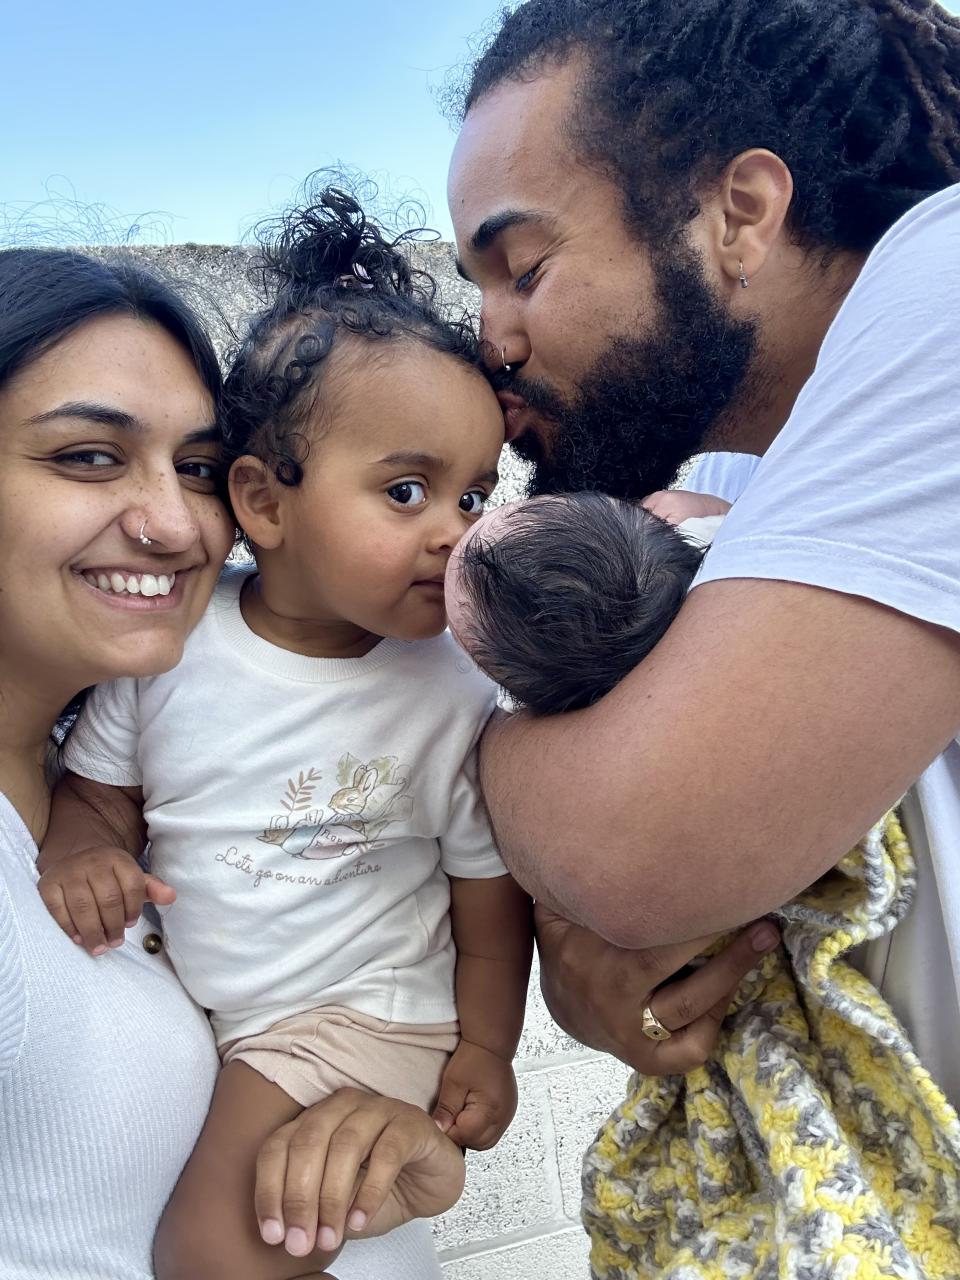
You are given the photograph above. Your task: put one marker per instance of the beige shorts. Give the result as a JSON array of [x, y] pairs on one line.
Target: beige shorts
[[311, 1055]]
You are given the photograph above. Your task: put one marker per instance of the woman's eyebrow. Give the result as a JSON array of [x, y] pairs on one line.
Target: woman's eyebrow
[[204, 435], [91, 412], [118, 419]]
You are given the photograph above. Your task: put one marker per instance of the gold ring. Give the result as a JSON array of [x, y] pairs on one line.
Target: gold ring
[[652, 1027]]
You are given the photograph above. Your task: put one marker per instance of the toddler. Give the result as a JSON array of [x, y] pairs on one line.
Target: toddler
[[306, 777]]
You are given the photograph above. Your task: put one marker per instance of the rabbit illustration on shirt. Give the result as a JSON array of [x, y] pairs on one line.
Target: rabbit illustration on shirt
[[355, 815]]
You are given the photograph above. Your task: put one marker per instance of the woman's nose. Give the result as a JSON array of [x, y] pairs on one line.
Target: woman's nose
[[163, 518]]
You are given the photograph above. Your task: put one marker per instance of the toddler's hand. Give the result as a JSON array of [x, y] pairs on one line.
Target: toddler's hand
[[355, 1164], [478, 1097], [96, 894], [677, 505]]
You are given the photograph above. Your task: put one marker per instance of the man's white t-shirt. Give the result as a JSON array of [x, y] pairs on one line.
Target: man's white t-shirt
[[307, 811], [860, 493]]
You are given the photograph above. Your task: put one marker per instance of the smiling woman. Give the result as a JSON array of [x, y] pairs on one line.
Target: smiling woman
[[109, 482], [108, 456], [112, 535]]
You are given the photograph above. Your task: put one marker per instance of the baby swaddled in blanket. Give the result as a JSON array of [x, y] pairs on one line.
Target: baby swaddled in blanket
[[812, 1145]]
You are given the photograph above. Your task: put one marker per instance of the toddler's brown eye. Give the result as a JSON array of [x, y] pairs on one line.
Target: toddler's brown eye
[[408, 493], [473, 502]]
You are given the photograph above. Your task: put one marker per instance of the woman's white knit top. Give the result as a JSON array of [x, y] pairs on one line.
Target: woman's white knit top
[[106, 1073]]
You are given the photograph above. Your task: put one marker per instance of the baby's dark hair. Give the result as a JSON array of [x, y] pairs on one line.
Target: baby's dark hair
[[572, 596], [336, 272]]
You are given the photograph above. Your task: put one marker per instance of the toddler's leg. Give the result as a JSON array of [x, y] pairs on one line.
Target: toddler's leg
[[209, 1229]]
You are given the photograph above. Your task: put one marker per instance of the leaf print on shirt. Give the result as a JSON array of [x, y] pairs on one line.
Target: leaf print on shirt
[[370, 798], [299, 794]]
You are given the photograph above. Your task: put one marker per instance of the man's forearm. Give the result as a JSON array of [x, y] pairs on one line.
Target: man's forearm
[[737, 764]]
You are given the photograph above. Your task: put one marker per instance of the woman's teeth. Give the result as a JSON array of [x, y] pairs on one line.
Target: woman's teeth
[[134, 584]]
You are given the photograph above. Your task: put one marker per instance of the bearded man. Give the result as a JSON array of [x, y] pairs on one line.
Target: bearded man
[[730, 225]]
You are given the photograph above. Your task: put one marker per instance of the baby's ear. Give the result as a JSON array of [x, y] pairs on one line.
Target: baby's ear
[[254, 493]]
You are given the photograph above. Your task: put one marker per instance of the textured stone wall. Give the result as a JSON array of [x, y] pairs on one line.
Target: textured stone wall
[[518, 1219]]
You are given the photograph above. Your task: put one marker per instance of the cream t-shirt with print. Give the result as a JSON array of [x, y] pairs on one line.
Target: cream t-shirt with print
[[307, 811]]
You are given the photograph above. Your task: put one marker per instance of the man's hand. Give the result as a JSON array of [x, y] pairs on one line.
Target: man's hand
[[355, 1164], [478, 1097], [97, 894], [597, 992]]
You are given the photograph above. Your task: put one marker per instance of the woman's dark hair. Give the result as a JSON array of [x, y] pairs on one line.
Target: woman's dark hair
[[572, 596], [46, 294], [859, 98], [336, 272]]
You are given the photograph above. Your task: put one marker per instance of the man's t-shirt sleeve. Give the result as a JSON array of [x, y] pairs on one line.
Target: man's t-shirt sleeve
[[725, 475], [860, 493]]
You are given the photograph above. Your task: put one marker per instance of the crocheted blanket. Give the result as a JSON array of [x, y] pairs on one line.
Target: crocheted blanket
[[813, 1145]]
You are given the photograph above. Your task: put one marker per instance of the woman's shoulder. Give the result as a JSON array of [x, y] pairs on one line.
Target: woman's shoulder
[[17, 874], [13, 995], [18, 850]]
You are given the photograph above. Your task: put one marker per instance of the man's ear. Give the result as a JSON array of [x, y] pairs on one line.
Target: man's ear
[[254, 493], [751, 202]]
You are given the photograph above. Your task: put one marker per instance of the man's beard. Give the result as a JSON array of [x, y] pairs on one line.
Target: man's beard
[[647, 405]]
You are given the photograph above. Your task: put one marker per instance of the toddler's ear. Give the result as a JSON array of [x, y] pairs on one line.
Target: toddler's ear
[[255, 498]]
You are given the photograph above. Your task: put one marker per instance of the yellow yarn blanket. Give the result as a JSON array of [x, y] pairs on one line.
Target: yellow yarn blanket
[[813, 1145]]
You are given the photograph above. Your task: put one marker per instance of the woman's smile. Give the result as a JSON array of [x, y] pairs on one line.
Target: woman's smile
[[127, 588]]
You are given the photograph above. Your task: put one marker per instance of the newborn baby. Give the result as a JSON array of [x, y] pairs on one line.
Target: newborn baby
[[557, 598]]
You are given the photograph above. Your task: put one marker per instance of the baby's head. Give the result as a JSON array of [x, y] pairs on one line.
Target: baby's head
[[361, 428], [558, 598]]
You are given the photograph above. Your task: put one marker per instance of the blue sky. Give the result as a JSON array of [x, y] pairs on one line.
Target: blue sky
[[189, 120], [193, 119]]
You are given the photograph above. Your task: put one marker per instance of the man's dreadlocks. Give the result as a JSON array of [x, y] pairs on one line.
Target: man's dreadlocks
[[860, 98]]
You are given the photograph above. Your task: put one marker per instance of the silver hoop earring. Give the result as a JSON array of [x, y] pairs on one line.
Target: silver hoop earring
[[147, 542], [743, 279]]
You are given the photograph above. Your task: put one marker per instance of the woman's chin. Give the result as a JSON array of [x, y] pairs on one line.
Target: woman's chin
[[147, 655]]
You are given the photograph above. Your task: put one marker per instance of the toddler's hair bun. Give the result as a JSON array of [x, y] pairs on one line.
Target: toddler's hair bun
[[327, 270], [330, 243]]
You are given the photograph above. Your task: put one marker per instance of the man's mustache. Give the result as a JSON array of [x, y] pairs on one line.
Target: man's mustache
[[537, 394]]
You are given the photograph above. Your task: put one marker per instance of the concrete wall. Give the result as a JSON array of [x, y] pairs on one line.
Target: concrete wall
[[518, 1219]]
